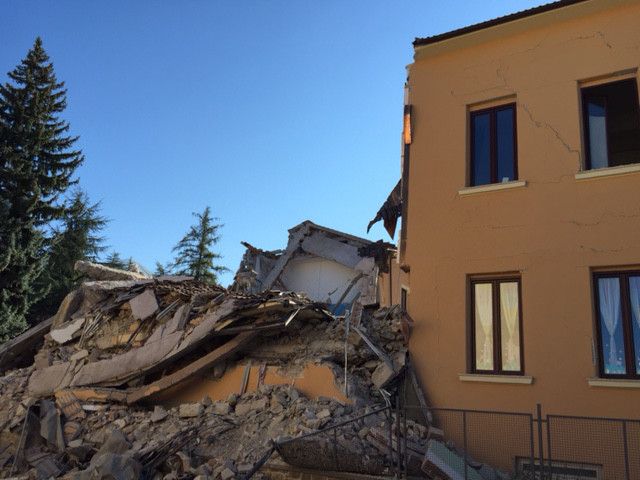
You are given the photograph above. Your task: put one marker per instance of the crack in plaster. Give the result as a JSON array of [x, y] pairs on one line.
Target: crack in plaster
[[547, 126]]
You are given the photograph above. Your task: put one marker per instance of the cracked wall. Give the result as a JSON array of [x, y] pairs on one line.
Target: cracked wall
[[553, 231]]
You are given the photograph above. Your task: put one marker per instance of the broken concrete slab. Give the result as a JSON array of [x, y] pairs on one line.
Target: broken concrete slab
[[96, 271], [217, 355], [50, 425], [19, 351], [65, 332], [144, 305], [440, 460], [48, 380], [121, 367]]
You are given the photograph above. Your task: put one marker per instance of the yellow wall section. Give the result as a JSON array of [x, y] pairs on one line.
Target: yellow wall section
[[313, 381], [554, 231]]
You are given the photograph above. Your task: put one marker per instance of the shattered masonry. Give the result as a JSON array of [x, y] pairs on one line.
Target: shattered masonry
[[170, 378]]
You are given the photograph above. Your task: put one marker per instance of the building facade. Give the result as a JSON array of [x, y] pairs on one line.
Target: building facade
[[520, 242]]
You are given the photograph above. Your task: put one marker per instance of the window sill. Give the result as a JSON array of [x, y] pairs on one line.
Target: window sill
[[613, 383], [492, 187], [478, 377], [608, 172]]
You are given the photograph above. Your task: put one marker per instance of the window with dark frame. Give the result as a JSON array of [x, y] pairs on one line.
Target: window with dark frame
[[496, 326], [611, 122], [493, 145], [617, 302]]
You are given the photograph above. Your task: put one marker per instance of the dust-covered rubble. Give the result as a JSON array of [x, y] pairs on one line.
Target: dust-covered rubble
[[89, 405]]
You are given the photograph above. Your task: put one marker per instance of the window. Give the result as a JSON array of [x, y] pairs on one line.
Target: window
[[496, 326], [611, 119], [493, 145], [617, 297]]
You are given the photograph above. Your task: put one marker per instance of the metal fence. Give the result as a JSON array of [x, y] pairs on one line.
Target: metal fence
[[360, 445], [594, 447], [493, 444], [483, 444], [473, 445]]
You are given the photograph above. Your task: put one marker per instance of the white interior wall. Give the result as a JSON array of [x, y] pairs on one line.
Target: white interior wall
[[321, 279]]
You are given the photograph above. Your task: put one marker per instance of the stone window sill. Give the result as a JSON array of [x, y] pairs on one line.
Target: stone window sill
[[608, 172], [492, 187], [477, 377], [613, 383]]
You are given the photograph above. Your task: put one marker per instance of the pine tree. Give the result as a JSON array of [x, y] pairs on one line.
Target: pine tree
[[160, 270], [194, 255], [76, 239], [114, 260], [37, 163]]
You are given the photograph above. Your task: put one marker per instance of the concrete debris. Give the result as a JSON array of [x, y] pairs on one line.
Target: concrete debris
[[328, 265], [19, 351], [159, 414], [167, 378], [443, 460], [143, 305], [95, 271], [65, 334], [189, 410]]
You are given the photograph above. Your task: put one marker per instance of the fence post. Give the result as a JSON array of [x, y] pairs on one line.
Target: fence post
[[531, 446], [540, 445], [627, 476], [390, 432], [404, 426], [549, 452], [464, 442], [398, 442], [335, 448]]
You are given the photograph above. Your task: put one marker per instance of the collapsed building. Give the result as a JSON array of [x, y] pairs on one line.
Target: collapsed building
[[167, 377], [329, 266]]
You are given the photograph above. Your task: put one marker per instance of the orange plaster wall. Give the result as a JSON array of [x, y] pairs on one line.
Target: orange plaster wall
[[554, 231], [390, 294], [314, 380]]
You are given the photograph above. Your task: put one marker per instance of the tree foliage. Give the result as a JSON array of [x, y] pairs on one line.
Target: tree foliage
[[194, 254], [37, 163], [77, 238], [114, 260]]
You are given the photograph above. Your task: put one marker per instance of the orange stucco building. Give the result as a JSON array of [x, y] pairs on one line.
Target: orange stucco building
[[520, 243]]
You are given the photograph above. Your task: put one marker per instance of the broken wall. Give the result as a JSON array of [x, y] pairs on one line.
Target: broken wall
[[322, 280], [312, 380]]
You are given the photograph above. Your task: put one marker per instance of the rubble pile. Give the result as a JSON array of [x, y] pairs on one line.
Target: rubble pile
[[221, 439], [90, 404]]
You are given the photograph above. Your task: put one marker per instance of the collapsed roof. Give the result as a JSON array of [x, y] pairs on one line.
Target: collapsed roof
[[329, 266], [117, 346]]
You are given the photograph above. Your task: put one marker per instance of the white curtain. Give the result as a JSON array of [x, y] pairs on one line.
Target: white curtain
[[484, 318], [634, 292], [610, 312], [509, 313], [598, 149]]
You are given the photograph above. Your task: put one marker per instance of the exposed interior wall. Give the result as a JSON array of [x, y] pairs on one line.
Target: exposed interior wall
[[553, 231], [313, 380], [321, 279]]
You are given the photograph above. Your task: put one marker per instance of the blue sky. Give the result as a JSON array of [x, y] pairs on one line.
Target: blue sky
[[270, 112]]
